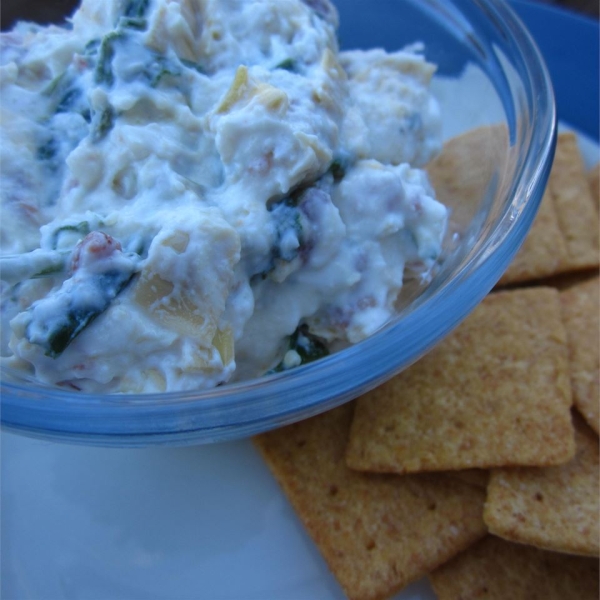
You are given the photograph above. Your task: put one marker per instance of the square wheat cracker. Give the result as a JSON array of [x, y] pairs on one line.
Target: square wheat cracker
[[577, 214], [498, 570], [544, 250], [377, 533], [581, 313], [564, 234], [495, 392], [553, 508], [593, 177], [461, 174]]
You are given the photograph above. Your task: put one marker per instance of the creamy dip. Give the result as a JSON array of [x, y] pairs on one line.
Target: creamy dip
[[199, 191]]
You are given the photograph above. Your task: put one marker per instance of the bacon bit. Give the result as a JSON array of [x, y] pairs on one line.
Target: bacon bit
[[418, 207], [95, 245], [30, 211], [81, 63], [262, 165]]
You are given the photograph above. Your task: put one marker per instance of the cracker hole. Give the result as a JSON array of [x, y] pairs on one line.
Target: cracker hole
[[539, 497], [301, 443], [370, 545], [432, 506], [333, 490]]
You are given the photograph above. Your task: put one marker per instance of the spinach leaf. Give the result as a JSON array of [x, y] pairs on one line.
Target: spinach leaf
[[77, 314], [159, 67], [47, 150], [103, 73], [132, 23], [306, 345], [190, 64], [65, 93], [102, 123], [289, 64], [136, 8], [82, 229], [57, 319], [288, 222]]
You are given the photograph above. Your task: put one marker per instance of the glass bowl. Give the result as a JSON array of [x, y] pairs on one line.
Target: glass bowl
[[512, 91]]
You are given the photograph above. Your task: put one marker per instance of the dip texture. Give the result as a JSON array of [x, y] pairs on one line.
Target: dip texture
[[199, 191]]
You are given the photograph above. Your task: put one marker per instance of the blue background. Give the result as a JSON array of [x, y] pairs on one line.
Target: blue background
[[570, 46], [568, 42]]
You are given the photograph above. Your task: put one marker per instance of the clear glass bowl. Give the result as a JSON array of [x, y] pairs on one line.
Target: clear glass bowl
[[485, 33]]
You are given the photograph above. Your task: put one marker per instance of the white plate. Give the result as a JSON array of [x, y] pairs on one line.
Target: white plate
[[205, 522]]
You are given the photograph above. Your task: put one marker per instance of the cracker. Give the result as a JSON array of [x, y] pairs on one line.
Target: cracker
[[593, 177], [564, 234], [554, 508], [581, 306], [577, 215], [463, 171], [498, 570], [376, 532], [496, 392], [544, 250]]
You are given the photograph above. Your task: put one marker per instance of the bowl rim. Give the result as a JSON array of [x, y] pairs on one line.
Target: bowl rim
[[246, 408]]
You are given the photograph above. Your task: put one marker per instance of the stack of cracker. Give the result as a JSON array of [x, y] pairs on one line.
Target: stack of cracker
[[478, 465]]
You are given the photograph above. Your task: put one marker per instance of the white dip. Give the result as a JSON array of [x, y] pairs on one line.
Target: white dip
[[198, 191]]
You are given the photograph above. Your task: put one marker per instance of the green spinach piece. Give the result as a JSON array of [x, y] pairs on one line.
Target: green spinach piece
[[47, 150], [308, 346], [102, 123], [78, 315], [133, 23], [136, 8], [103, 73], [287, 219], [57, 319], [82, 228], [289, 64], [92, 47], [190, 64], [338, 169], [159, 67], [64, 92]]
